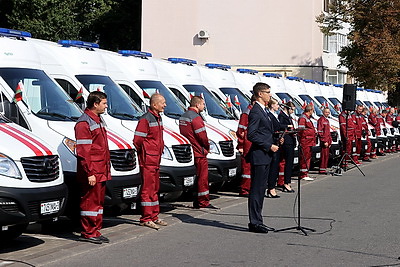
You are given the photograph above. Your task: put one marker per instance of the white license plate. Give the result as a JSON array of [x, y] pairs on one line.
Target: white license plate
[[296, 160], [129, 192], [232, 172], [188, 181], [49, 207], [318, 155], [337, 152]]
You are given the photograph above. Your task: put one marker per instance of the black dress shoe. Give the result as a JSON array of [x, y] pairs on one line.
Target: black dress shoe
[[268, 228], [285, 189], [257, 228], [104, 239], [366, 160], [269, 195], [94, 240]]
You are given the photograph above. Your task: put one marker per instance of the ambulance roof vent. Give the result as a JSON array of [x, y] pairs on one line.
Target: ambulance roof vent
[[186, 61], [217, 66], [76, 43], [293, 78], [135, 53], [249, 71], [272, 75], [14, 33]]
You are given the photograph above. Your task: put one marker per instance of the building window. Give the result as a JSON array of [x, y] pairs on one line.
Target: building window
[[334, 43]]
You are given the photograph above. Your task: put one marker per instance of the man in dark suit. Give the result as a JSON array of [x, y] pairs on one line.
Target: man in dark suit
[[260, 133]]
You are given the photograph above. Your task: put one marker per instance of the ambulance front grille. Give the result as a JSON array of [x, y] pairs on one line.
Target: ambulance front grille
[[183, 153], [227, 148], [41, 169], [334, 136], [123, 159]]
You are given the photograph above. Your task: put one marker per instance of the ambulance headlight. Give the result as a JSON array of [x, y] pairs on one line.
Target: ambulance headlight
[[70, 144], [233, 135], [166, 154], [9, 168], [213, 147]]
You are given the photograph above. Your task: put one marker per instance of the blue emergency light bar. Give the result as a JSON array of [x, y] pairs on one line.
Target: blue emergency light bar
[[217, 66], [360, 89], [273, 75], [186, 61], [308, 81], [14, 33], [370, 90], [337, 85], [134, 53], [378, 91], [76, 43], [293, 78], [247, 71]]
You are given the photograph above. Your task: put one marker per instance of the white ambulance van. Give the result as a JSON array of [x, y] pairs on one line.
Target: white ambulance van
[[137, 72], [75, 65], [47, 111], [246, 79], [31, 180]]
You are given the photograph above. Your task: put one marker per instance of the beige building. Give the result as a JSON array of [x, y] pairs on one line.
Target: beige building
[[266, 35]]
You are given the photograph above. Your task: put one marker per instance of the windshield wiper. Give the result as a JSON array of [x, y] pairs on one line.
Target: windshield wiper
[[124, 115], [173, 114], [54, 114], [219, 116]]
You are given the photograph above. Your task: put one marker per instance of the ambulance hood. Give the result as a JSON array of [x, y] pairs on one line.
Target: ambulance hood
[[18, 142]]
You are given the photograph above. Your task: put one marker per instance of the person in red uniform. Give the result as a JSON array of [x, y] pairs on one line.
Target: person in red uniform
[[368, 155], [93, 166], [191, 125], [324, 134], [358, 118], [307, 134], [382, 121], [243, 147], [347, 133], [390, 118], [149, 143], [373, 120]]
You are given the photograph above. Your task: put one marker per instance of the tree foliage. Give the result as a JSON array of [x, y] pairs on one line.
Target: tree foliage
[[111, 23], [373, 53]]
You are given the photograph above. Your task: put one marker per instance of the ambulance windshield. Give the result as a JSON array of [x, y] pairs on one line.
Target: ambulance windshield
[[285, 98], [120, 105], [307, 99], [323, 102], [174, 108], [213, 107], [237, 98], [44, 97]]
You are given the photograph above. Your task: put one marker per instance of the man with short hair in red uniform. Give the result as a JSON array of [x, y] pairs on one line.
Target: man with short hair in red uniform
[[368, 154], [325, 138], [93, 166], [307, 135], [244, 146], [347, 134], [191, 125], [373, 120], [358, 118], [149, 143]]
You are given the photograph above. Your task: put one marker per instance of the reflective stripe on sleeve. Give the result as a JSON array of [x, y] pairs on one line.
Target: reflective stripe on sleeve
[[84, 141], [89, 213], [205, 193], [100, 211], [242, 126], [303, 170], [200, 130], [246, 176], [153, 124], [140, 134], [94, 127], [149, 204]]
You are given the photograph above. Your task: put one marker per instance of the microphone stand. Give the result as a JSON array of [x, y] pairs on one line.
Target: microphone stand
[[298, 227]]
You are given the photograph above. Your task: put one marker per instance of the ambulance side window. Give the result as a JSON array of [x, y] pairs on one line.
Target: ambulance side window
[[132, 94], [180, 96], [10, 110], [71, 91]]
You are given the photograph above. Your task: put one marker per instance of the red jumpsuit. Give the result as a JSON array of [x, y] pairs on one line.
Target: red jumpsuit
[[191, 125], [368, 152], [382, 124], [324, 134], [347, 132], [358, 119], [149, 143], [93, 158], [307, 136], [245, 144]]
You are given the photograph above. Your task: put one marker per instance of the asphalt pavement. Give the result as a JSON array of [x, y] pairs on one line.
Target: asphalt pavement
[[355, 219]]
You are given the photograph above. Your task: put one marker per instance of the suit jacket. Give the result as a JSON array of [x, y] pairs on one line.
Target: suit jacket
[[285, 121], [260, 132]]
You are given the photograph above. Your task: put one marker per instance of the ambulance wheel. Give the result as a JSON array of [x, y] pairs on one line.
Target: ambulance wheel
[[12, 232], [171, 196], [215, 187]]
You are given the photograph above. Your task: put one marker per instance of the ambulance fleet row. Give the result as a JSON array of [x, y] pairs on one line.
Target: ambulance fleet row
[[44, 86]]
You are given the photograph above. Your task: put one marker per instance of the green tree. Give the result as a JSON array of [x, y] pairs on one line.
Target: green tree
[[373, 55]]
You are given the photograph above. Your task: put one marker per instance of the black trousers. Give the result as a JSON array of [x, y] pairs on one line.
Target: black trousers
[[288, 154], [259, 178], [273, 170]]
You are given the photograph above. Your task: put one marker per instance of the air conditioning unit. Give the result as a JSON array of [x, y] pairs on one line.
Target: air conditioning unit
[[203, 34]]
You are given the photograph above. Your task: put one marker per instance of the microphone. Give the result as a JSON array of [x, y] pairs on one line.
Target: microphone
[[284, 105]]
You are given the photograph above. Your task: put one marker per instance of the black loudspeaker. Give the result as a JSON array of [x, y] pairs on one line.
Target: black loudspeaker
[[349, 97]]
